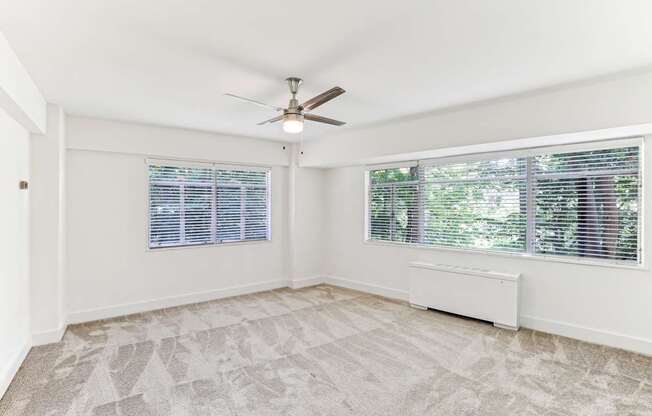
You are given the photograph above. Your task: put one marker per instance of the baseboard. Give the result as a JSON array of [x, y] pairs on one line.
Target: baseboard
[[171, 301], [48, 337], [611, 339], [366, 287], [595, 336], [11, 368], [305, 282]]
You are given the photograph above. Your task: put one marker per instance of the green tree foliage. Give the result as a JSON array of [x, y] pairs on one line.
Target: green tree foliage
[[585, 204], [588, 215], [393, 205]]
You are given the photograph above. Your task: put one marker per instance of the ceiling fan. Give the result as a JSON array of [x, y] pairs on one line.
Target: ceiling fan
[[294, 115]]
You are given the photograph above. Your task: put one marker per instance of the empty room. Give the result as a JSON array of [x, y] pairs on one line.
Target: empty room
[[365, 208]]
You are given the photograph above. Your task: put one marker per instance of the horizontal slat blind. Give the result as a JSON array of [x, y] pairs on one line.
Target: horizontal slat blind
[[479, 205], [180, 205], [576, 203], [242, 212], [393, 207], [191, 204], [587, 204]]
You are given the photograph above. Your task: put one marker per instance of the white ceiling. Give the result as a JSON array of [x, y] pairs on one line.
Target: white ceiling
[[169, 62]]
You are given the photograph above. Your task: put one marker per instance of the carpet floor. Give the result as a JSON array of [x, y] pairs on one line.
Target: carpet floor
[[321, 351]]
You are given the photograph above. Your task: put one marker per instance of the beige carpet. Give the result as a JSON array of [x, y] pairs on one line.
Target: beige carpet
[[321, 351]]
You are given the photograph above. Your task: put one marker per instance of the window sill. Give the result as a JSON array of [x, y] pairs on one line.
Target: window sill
[[207, 246], [524, 256]]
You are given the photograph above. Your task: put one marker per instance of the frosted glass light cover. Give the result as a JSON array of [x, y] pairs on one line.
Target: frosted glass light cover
[[292, 126], [293, 123]]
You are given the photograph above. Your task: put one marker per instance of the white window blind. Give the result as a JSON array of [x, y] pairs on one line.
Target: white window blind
[[578, 203], [587, 203], [476, 204], [393, 204], [207, 204], [242, 212]]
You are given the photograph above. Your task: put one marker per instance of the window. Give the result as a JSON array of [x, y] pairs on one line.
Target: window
[[198, 204], [476, 204], [393, 210], [568, 201], [586, 204], [241, 205]]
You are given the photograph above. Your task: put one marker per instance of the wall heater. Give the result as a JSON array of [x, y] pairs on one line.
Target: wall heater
[[483, 294]]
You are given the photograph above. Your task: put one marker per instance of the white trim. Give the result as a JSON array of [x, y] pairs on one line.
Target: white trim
[[509, 145], [208, 245], [8, 373], [305, 282], [269, 206], [171, 301], [241, 168], [214, 189], [20, 97], [530, 179], [642, 193], [366, 232], [519, 152], [592, 335], [48, 337], [396, 165], [200, 163], [605, 144], [489, 274], [367, 287], [507, 327], [530, 207], [178, 163], [514, 255]]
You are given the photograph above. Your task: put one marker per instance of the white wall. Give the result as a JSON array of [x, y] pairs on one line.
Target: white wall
[[134, 138], [588, 106], [605, 305], [110, 269], [47, 229], [14, 258], [600, 304], [309, 259], [19, 96], [22, 110]]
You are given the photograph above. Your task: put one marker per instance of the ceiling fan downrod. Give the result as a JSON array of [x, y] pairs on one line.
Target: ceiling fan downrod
[[294, 83]]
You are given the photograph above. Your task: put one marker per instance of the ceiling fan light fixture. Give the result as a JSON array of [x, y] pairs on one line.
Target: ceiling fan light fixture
[[293, 116], [293, 123]]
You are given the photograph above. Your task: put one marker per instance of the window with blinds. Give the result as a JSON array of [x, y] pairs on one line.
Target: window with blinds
[[393, 210], [199, 204], [476, 204], [574, 203], [587, 204], [242, 212]]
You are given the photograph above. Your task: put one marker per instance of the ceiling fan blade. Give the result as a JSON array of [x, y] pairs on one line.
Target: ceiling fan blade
[[322, 98], [258, 103], [271, 120], [320, 119]]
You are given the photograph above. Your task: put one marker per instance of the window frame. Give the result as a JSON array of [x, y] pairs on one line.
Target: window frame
[[392, 186], [213, 166], [530, 232]]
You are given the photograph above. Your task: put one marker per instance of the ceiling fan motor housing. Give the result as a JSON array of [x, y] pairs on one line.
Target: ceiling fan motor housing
[[293, 116]]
